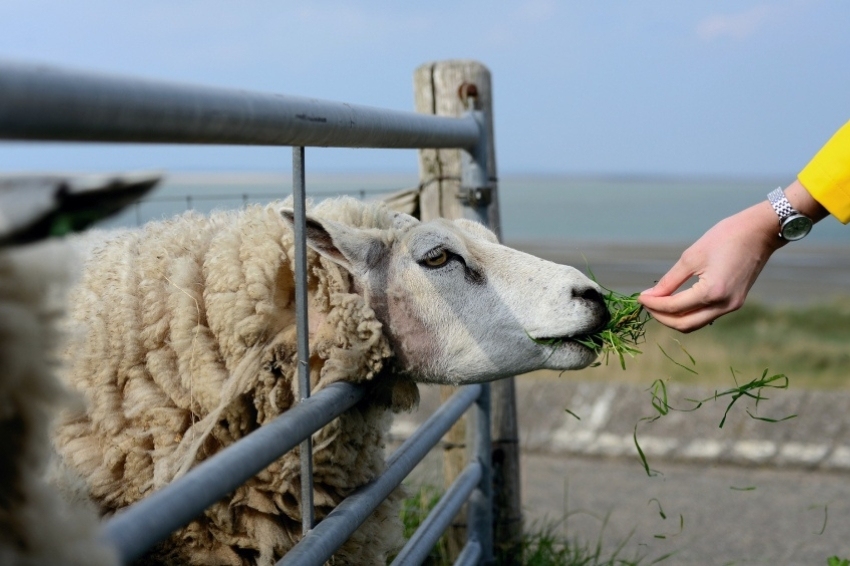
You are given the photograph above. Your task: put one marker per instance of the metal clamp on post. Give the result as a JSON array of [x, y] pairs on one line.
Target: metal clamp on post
[[475, 196], [475, 191]]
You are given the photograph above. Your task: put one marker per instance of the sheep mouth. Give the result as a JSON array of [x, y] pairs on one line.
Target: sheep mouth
[[591, 340]]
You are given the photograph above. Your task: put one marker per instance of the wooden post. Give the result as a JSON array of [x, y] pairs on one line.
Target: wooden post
[[443, 88]]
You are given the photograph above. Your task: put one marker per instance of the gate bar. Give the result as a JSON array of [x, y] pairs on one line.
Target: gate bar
[[470, 555], [426, 536], [303, 335], [332, 531], [45, 103], [136, 529]]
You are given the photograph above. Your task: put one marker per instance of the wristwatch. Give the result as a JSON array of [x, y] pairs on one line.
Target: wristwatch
[[792, 224]]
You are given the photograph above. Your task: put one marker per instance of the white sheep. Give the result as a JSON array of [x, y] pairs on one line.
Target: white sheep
[[185, 342], [36, 526]]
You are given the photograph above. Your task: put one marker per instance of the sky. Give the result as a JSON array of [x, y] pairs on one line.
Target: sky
[[647, 87]]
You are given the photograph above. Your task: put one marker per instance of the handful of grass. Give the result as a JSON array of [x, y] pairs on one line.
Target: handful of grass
[[624, 332]]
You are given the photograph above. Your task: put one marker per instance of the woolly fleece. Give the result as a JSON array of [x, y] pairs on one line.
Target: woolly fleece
[[36, 526], [185, 341]]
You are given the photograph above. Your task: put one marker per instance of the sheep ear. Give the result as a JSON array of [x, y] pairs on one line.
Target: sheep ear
[[403, 222], [357, 250]]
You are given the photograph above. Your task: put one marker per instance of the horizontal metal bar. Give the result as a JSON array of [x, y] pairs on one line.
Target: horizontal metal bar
[[45, 103], [265, 195], [320, 543], [134, 530], [470, 555], [426, 536]]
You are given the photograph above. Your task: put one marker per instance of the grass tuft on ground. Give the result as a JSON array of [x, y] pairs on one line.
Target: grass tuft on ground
[[542, 543]]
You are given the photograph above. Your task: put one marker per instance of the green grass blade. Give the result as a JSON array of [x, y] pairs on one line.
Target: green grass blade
[[684, 367]]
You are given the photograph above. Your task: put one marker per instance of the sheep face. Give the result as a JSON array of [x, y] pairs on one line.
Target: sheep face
[[457, 306]]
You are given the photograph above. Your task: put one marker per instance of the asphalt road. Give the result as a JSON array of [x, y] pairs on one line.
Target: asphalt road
[[729, 514], [774, 494]]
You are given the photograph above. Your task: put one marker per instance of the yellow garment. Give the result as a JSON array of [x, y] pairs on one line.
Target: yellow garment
[[827, 176]]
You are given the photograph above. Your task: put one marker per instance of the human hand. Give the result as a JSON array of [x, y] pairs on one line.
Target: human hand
[[726, 261]]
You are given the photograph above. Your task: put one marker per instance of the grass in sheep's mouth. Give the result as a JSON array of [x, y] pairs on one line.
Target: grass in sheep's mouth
[[620, 337], [624, 332]]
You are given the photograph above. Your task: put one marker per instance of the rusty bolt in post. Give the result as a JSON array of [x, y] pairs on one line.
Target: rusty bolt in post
[[468, 93]]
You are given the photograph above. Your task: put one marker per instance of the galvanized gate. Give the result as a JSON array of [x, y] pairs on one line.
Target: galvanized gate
[[38, 103]]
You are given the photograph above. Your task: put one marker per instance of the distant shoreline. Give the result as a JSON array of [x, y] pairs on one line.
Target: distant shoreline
[[628, 234], [802, 275]]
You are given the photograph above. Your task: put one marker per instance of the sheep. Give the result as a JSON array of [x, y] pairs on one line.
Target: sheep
[[36, 525], [184, 341]]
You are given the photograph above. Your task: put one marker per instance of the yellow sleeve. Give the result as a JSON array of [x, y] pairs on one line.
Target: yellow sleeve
[[827, 176]]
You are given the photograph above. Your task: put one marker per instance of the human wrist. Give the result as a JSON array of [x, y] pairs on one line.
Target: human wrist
[[804, 202], [764, 225]]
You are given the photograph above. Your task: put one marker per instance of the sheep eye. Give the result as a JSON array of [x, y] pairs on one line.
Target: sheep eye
[[438, 259]]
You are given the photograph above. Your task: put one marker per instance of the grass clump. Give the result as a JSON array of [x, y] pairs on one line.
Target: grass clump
[[624, 332], [622, 335], [414, 510], [543, 546]]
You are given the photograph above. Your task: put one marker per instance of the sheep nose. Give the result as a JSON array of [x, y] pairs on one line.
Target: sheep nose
[[595, 301], [588, 294]]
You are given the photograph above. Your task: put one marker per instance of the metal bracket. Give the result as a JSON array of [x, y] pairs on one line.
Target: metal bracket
[[475, 196], [475, 191]]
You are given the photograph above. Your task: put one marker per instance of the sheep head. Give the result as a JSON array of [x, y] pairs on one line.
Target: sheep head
[[457, 306]]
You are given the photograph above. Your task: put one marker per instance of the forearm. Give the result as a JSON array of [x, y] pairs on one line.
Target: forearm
[[765, 222], [729, 257], [726, 260]]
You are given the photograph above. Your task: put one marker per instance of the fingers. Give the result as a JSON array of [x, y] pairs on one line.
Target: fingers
[[671, 281], [690, 321], [726, 260], [686, 301], [683, 311], [661, 300], [691, 308]]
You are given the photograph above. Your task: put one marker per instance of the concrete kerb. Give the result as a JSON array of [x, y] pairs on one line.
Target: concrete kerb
[[565, 416]]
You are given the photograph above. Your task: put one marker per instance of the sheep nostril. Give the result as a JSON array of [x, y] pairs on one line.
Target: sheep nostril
[[589, 294], [595, 299]]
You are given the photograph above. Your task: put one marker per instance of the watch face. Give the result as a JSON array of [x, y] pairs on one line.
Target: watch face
[[796, 227]]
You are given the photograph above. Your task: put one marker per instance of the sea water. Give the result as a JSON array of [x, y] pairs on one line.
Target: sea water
[[532, 207]]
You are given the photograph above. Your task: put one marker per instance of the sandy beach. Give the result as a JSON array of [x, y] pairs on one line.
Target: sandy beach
[[795, 275]]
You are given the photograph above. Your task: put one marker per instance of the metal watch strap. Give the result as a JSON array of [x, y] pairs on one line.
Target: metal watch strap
[[780, 204]]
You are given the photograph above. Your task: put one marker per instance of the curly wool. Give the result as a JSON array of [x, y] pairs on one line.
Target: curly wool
[[185, 341], [36, 525]]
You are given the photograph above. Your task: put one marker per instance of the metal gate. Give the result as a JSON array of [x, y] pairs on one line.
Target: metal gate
[[38, 103]]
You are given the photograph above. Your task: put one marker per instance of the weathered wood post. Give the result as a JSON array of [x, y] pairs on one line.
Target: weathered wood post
[[449, 88]]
